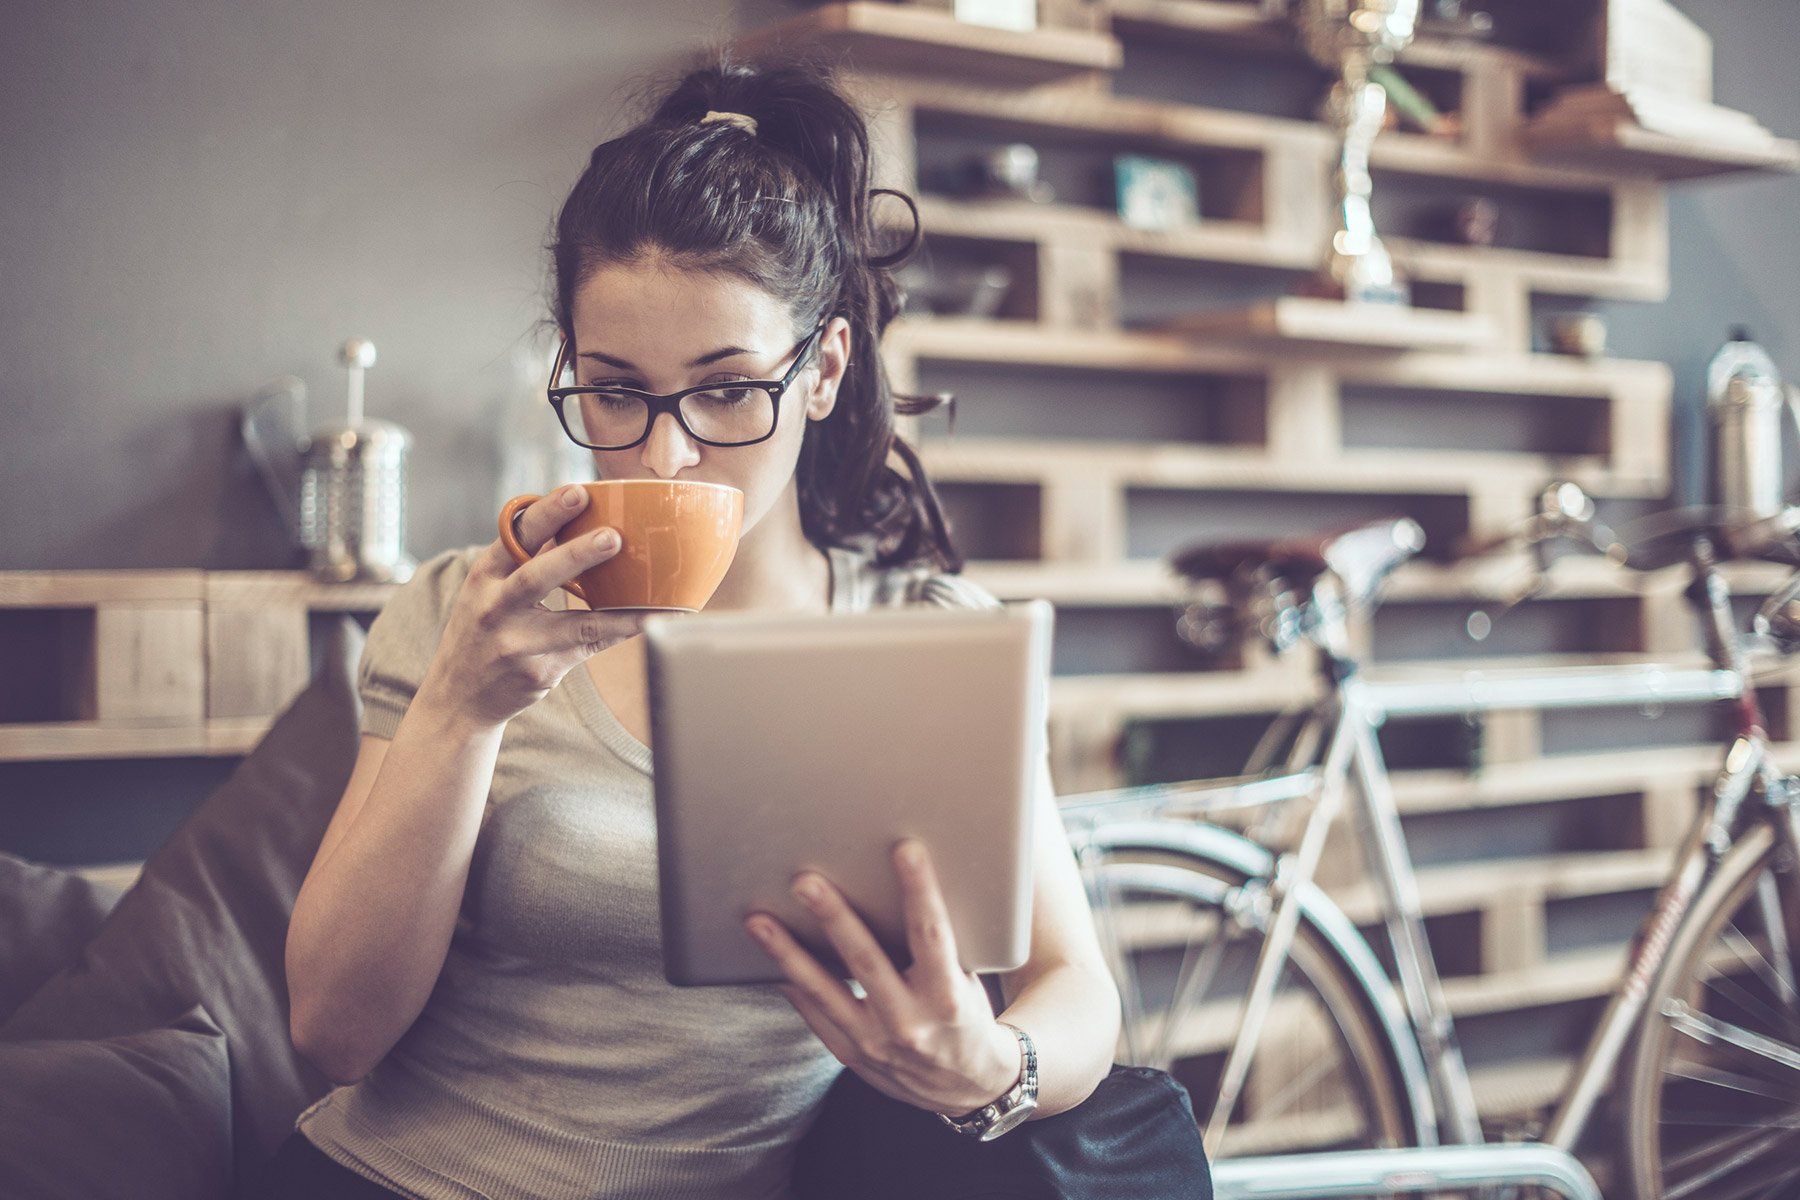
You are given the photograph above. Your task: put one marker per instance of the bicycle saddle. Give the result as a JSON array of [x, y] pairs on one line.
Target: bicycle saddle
[[1666, 538], [1361, 556]]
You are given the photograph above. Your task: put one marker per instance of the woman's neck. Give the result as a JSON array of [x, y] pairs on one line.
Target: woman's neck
[[776, 568]]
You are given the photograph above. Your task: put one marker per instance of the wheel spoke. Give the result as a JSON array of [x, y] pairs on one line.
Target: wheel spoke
[[1706, 1178], [1710, 1030], [1181, 949], [1763, 968], [1733, 991], [1300, 1084], [1706, 1150], [1187, 979], [1719, 1077]]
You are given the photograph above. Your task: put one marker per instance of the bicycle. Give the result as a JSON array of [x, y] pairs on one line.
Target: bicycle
[[1225, 948]]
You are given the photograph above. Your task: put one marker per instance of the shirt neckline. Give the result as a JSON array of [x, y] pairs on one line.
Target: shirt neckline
[[620, 740]]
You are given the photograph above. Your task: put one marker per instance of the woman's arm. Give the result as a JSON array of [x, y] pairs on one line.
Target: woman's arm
[[1064, 995], [373, 921]]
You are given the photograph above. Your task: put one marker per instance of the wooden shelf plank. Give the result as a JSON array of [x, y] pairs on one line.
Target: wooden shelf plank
[[1152, 583], [1334, 323], [968, 339], [1581, 975], [44, 741], [1628, 146], [87, 589], [1244, 26], [914, 38], [1211, 468]]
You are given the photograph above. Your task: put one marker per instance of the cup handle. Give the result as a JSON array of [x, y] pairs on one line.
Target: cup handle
[[509, 537]]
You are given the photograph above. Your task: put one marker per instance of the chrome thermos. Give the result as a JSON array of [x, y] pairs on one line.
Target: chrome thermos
[[353, 490], [1745, 403]]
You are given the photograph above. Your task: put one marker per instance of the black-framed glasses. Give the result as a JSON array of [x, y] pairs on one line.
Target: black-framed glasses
[[736, 412]]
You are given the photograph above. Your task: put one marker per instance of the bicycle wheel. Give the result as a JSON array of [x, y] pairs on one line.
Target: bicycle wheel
[[1178, 912], [1714, 1102]]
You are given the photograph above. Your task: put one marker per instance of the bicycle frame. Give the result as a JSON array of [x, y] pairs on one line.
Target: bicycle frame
[[1345, 720]]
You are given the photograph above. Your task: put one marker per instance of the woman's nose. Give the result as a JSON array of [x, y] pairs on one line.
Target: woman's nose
[[668, 448]]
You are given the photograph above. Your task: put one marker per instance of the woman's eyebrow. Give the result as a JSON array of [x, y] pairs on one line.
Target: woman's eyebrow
[[715, 356]]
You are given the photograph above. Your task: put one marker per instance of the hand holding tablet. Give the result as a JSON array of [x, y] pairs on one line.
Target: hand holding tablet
[[925, 1034]]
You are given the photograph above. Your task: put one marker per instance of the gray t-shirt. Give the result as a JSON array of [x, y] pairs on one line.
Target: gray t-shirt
[[552, 1060]]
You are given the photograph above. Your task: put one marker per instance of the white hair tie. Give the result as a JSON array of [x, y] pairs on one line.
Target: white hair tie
[[739, 119]]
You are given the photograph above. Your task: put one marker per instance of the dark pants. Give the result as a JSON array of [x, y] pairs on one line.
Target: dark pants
[[302, 1171], [1133, 1139]]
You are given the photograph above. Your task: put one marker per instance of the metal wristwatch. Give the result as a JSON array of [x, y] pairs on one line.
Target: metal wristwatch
[[1009, 1111]]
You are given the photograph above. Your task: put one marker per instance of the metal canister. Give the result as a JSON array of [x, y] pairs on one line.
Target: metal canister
[[1745, 401], [353, 503], [353, 490]]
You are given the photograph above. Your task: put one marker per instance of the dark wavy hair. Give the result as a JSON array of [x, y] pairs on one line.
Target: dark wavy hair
[[786, 208]]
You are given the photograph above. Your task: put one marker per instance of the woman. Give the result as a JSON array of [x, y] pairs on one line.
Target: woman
[[474, 951]]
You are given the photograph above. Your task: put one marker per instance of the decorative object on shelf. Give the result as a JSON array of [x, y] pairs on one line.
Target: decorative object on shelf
[[1006, 172], [957, 290], [1413, 107], [1155, 193], [1019, 15], [1454, 19], [350, 478], [1656, 77], [1471, 222], [1744, 402], [1009, 171], [1351, 37], [1580, 334]]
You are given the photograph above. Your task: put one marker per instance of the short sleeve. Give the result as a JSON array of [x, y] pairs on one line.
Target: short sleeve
[[404, 638], [953, 591]]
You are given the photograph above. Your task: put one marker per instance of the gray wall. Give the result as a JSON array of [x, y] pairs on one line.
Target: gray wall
[[198, 196]]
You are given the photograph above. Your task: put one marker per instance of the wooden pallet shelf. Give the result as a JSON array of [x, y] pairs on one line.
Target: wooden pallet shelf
[[171, 664]]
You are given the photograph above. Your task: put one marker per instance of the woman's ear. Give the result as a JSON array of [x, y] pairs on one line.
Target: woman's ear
[[832, 358]]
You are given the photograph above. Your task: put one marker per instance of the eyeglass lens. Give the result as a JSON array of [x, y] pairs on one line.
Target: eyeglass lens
[[722, 414]]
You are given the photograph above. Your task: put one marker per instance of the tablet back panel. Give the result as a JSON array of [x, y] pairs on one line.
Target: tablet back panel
[[783, 742]]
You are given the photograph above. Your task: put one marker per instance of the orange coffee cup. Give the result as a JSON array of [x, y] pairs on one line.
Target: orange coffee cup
[[677, 540]]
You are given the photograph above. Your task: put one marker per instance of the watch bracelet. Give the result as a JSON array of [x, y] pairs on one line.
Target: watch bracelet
[[971, 1122]]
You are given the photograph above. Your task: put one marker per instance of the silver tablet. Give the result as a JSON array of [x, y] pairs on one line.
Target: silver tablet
[[783, 742]]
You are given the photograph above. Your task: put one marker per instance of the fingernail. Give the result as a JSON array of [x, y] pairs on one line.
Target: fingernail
[[760, 929], [809, 888], [912, 854], [606, 539], [571, 496]]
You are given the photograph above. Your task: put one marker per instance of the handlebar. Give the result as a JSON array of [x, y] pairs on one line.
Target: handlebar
[[1565, 513]]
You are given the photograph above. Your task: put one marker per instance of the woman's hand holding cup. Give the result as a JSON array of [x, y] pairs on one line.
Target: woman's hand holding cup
[[502, 650]]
